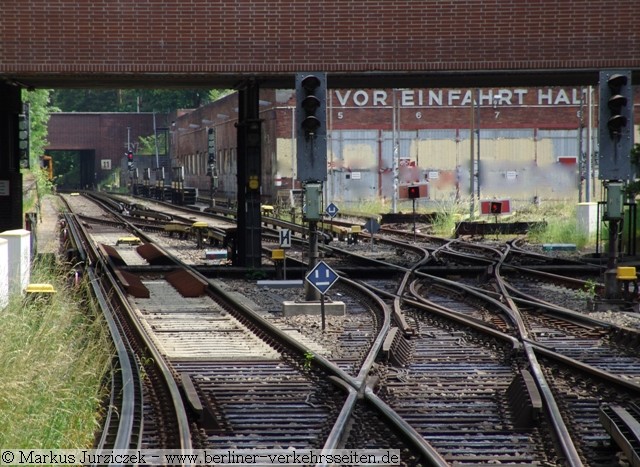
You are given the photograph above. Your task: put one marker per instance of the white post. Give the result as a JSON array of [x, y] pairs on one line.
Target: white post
[[394, 198], [155, 138], [472, 129], [588, 185], [19, 256]]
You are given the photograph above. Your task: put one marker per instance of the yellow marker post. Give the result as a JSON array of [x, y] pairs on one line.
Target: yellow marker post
[[266, 210], [627, 275], [129, 241], [40, 288], [45, 291], [278, 257], [199, 228]]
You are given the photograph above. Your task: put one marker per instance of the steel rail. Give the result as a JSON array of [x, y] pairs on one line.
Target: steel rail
[[540, 348], [359, 383], [572, 457], [570, 281], [338, 434], [416, 438], [125, 413], [355, 386], [562, 434], [514, 314], [571, 362], [184, 433], [172, 386]]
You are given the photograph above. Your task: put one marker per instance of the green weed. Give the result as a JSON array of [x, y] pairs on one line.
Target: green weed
[[561, 227], [308, 359]]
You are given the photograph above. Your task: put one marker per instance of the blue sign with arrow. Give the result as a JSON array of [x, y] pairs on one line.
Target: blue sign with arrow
[[332, 210], [322, 277], [372, 226]]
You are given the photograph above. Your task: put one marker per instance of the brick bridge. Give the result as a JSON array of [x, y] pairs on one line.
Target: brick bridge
[[262, 43]]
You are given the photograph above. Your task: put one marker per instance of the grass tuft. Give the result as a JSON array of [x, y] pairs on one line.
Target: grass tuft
[[561, 227], [54, 355]]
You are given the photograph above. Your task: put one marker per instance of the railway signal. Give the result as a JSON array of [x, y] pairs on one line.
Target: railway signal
[[23, 139], [413, 191], [211, 151], [615, 135], [130, 160], [311, 126], [615, 125]]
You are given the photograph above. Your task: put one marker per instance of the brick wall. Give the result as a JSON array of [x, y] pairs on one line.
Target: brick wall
[[106, 133], [174, 40]]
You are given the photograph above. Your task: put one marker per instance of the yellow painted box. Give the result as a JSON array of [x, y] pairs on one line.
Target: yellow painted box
[[40, 288], [626, 273]]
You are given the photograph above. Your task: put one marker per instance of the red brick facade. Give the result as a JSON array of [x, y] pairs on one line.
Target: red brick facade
[[64, 42], [537, 124], [104, 135], [435, 108]]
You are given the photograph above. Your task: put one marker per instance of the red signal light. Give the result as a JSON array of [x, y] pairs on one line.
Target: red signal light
[[413, 191]]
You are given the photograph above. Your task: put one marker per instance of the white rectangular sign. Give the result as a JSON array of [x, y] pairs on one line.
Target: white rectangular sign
[[285, 238]]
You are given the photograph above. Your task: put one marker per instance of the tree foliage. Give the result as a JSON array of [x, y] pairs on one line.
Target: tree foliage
[[215, 94], [132, 100], [39, 113], [67, 169], [147, 144], [42, 102]]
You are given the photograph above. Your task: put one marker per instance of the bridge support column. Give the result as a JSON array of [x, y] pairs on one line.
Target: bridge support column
[[10, 176], [249, 244]]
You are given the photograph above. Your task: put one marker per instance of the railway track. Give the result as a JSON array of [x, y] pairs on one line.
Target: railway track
[[473, 367], [608, 360], [148, 410], [250, 357]]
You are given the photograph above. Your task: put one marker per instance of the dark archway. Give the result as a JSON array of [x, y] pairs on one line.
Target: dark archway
[[73, 170]]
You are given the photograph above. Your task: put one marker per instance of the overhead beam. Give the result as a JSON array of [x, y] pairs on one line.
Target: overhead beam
[[464, 78]]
